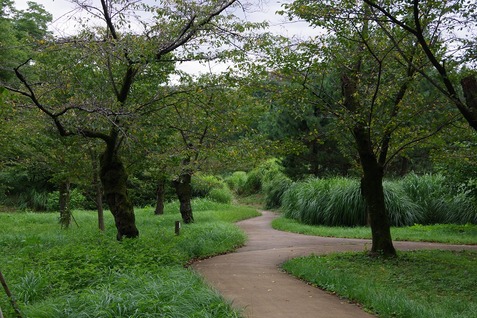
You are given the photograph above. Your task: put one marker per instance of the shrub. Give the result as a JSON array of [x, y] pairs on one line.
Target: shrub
[[202, 184], [221, 195], [236, 181], [255, 178], [77, 200]]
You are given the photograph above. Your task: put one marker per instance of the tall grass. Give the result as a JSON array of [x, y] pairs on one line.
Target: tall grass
[[414, 199], [334, 201], [438, 202], [236, 181], [274, 186]]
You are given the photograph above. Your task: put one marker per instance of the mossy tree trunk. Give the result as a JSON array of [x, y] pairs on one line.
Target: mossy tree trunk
[[114, 178], [184, 192], [64, 203]]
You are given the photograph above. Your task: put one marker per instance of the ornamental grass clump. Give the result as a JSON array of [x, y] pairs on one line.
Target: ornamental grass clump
[[345, 206], [274, 186], [438, 202], [306, 201], [402, 210]]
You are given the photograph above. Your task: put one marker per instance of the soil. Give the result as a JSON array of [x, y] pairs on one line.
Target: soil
[[252, 280]]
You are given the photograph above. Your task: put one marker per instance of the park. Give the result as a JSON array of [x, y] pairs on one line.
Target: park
[[183, 159]]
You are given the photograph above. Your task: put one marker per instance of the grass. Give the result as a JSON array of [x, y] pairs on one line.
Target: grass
[[416, 284], [81, 272], [442, 233], [414, 199]]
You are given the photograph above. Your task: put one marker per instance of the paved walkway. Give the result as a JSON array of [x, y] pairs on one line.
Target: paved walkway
[[252, 280]]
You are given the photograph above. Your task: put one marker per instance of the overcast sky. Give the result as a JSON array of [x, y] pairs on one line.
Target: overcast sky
[[260, 10]]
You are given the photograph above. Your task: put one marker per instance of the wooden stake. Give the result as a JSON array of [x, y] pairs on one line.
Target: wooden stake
[[10, 297]]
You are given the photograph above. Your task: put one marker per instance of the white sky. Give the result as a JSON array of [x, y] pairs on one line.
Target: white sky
[[260, 10], [257, 11]]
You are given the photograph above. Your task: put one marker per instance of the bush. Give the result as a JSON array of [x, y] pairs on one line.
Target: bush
[[223, 195], [236, 181], [256, 177], [77, 199], [202, 184]]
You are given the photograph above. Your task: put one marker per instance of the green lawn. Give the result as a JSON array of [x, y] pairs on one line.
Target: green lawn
[[417, 284], [420, 284], [81, 272]]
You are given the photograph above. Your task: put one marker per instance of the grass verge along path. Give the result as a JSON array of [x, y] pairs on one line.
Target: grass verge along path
[[424, 284], [440, 233]]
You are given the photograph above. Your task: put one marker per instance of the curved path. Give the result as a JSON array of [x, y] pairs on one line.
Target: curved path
[[252, 280]]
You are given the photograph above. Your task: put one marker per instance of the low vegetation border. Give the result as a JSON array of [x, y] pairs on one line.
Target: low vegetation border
[[441, 233], [81, 272], [424, 284]]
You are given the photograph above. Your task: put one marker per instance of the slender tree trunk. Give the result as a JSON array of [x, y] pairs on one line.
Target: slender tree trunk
[[160, 195], [98, 191], [114, 178], [373, 193], [64, 202], [184, 193], [373, 173]]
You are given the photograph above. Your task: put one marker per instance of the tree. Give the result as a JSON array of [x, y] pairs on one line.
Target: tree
[[209, 114], [96, 83], [443, 31], [306, 133], [19, 30], [371, 87]]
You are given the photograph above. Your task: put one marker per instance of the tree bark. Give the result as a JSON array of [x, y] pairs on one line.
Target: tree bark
[[372, 179], [373, 193], [64, 202], [469, 87], [98, 190], [160, 195], [184, 193], [114, 178]]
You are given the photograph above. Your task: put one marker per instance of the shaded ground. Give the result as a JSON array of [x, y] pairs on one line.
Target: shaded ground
[[252, 280]]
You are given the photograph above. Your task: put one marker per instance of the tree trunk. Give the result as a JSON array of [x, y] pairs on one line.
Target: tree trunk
[[184, 193], [114, 179], [373, 193], [469, 87], [64, 202], [98, 191], [160, 194]]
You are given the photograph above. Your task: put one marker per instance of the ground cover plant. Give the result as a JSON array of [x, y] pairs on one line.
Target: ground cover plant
[[415, 284], [442, 233], [81, 272]]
